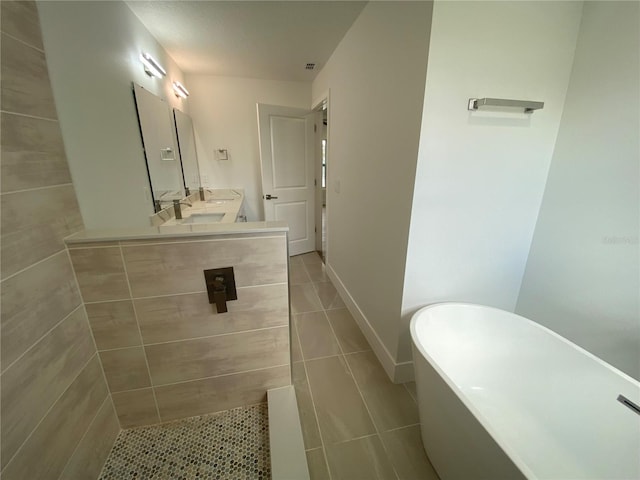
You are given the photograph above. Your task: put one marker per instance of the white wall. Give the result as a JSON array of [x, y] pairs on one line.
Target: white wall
[[582, 277], [224, 115], [481, 176], [93, 51], [376, 81]]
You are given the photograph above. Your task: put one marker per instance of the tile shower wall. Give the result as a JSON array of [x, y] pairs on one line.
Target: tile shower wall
[[166, 352], [57, 419]]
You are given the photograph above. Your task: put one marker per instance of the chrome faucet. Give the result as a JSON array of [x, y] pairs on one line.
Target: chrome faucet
[[177, 210]]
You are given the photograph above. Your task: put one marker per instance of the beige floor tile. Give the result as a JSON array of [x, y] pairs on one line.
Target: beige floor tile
[[328, 296], [311, 258], [296, 350], [298, 275], [411, 386], [317, 464], [346, 329], [316, 337], [304, 299], [390, 404], [361, 459], [296, 260], [310, 431], [342, 415], [317, 272], [405, 450]]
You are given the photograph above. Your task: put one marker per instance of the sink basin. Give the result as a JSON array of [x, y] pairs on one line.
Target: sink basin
[[216, 201], [204, 218]]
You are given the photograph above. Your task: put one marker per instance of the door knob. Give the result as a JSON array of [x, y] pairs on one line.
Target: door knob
[[269, 197]]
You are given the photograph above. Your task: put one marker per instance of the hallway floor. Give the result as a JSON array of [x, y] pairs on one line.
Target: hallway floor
[[356, 423]]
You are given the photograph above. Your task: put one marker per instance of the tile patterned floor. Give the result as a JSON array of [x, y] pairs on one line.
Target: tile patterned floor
[[356, 423], [183, 450]]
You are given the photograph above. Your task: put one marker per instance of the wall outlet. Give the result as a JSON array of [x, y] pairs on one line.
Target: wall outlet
[[336, 186]]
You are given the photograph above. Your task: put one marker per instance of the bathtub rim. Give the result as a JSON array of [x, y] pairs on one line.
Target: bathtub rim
[[509, 451]]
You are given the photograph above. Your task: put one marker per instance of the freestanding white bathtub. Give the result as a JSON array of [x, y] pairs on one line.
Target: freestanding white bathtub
[[501, 397]]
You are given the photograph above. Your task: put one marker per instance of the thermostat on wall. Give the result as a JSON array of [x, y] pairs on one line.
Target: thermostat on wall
[[222, 154]]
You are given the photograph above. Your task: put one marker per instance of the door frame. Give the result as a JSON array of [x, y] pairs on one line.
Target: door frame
[[317, 106]]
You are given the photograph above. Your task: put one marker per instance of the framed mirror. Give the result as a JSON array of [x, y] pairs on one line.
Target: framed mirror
[[160, 147]]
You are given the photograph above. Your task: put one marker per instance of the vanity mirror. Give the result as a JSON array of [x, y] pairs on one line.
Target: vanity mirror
[[160, 147], [187, 150]]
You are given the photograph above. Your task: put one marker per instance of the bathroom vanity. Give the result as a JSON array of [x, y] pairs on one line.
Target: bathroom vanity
[[218, 206]]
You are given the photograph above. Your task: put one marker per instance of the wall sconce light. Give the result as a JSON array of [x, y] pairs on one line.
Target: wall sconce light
[[179, 90], [151, 66]]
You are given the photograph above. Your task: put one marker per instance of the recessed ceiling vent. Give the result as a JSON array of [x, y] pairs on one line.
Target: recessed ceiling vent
[[310, 66]]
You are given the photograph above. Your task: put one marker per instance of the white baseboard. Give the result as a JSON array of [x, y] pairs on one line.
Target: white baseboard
[[397, 372]]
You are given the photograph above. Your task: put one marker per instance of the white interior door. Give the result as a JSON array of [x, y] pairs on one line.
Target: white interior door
[[287, 158]]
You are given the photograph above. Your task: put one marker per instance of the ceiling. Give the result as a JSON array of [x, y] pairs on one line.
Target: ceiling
[[256, 39]]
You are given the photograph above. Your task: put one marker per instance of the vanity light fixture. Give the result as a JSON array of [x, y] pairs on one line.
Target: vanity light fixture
[[179, 90], [151, 66]]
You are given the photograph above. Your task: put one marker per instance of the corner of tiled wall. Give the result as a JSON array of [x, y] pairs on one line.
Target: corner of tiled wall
[[58, 419], [167, 354]]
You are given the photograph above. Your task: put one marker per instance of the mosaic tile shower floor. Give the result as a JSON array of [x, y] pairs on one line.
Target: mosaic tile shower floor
[[233, 444]]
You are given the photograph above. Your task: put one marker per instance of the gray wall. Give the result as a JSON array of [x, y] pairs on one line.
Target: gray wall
[[582, 275], [58, 420]]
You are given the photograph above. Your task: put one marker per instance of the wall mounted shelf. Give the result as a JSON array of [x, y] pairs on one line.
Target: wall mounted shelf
[[487, 103]]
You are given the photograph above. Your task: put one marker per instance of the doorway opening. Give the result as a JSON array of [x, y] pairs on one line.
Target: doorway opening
[[321, 170]]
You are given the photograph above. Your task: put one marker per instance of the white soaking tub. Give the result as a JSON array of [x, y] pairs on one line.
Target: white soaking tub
[[502, 397]]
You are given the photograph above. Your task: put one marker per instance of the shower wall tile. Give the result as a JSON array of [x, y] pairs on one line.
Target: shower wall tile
[[136, 408], [34, 224], [219, 393], [220, 355], [125, 369], [32, 384], [169, 269], [162, 341], [88, 459], [20, 20], [33, 302], [100, 273], [32, 153], [25, 80], [114, 324], [57, 436], [178, 317]]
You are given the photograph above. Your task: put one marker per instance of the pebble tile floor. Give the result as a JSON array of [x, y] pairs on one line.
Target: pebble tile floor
[[228, 445]]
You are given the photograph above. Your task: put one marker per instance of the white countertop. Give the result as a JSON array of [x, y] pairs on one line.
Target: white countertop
[[162, 231], [225, 202]]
